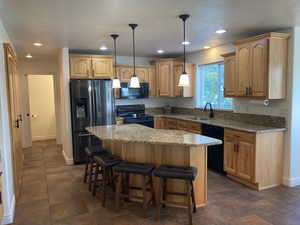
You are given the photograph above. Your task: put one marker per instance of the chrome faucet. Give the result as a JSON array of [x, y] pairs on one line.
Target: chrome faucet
[[211, 111]]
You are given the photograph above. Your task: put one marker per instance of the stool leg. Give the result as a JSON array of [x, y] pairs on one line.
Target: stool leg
[[144, 192], [86, 170], [118, 190], [91, 174], [164, 191], [159, 197], [188, 195], [152, 190], [193, 198], [96, 173], [104, 183]]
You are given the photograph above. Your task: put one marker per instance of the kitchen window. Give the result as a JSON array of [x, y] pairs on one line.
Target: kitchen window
[[211, 87]]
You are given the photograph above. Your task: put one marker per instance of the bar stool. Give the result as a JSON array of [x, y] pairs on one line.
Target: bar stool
[[104, 165], [90, 164], [186, 173], [128, 168]]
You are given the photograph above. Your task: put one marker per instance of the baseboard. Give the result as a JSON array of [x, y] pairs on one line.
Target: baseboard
[[9, 217], [43, 138], [291, 182], [69, 161]]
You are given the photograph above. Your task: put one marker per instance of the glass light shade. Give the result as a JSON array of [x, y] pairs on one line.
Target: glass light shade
[[134, 82], [116, 83], [184, 80]]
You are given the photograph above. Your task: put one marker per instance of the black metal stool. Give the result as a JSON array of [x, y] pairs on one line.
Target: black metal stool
[[127, 168], [104, 164], [90, 164], [186, 173]]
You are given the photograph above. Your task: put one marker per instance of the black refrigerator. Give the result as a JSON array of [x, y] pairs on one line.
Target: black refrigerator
[[92, 104]]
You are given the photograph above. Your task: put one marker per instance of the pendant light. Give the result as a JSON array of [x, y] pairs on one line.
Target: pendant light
[[116, 81], [134, 80], [184, 80]]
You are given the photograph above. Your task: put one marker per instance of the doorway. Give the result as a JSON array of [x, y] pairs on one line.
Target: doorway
[[42, 107]]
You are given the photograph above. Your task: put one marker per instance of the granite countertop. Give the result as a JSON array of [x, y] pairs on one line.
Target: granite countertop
[[141, 134], [224, 123]]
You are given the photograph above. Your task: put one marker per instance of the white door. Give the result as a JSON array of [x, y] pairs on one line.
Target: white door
[[42, 107]]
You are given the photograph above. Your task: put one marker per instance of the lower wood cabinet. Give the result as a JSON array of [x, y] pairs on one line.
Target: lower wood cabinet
[[254, 159], [177, 124]]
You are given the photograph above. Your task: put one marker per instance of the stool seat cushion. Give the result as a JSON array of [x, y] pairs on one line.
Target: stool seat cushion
[[135, 168], [176, 172], [94, 150], [107, 160]]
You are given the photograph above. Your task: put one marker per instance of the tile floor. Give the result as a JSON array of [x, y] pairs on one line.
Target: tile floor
[[53, 194]]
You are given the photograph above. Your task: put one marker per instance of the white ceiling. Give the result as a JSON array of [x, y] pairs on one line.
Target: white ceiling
[[87, 24]]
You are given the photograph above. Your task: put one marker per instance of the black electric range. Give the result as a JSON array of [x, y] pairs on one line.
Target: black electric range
[[135, 114]]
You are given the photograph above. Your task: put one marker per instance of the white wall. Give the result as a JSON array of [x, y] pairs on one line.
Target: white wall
[[41, 98], [65, 107], [8, 196], [40, 67]]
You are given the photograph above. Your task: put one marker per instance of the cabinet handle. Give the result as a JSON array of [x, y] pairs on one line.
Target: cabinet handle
[[237, 148], [250, 90], [246, 91]]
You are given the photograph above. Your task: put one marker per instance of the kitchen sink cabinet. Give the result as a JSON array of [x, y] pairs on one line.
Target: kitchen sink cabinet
[[254, 159], [258, 68]]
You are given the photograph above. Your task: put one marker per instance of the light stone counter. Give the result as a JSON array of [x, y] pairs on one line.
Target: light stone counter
[[135, 133], [137, 143]]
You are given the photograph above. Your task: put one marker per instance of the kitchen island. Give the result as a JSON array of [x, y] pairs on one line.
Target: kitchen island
[[137, 143]]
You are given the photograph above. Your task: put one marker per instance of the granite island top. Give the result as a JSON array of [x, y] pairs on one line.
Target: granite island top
[[140, 134], [225, 123]]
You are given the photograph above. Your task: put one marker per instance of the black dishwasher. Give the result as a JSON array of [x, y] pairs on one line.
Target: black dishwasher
[[215, 154]]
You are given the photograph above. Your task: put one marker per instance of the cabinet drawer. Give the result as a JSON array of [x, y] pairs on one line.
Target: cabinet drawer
[[181, 125], [194, 127], [250, 137], [171, 123]]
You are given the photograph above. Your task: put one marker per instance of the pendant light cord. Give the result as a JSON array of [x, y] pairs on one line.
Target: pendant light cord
[[115, 46], [133, 45], [115, 36], [184, 47]]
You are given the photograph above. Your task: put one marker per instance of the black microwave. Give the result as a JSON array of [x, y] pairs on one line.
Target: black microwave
[[134, 93]]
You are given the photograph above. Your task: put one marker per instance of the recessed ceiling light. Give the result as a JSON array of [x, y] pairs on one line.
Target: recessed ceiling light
[[28, 56], [206, 47], [38, 44], [160, 51], [186, 43], [103, 48], [221, 31]]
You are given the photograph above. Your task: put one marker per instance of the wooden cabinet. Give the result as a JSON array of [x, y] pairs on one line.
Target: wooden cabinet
[[168, 72], [91, 66], [144, 73], [177, 124], [102, 67], [80, 66], [254, 159], [229, 75], [260, 67], [164, 78]]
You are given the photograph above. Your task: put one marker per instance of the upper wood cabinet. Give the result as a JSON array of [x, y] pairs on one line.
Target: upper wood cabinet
[[168, 72], [80, 66], [91, 66], [229, 75], [260, 67], [102, 66], [144, 73]]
